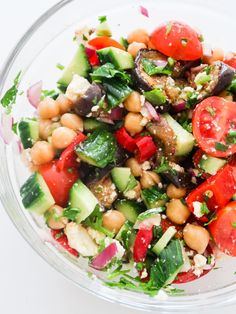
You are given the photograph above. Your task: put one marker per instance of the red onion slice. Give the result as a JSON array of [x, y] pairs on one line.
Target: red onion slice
[[116, 113], [105, 257], [90, 51], [19, 146], [6, 127], [160, 63], [152, 111], [34, 94], [180, 106], [144, 11]]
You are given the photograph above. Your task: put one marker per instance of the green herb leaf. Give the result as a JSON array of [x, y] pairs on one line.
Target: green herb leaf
[[48, 93], [117, 272], [184, 41], [211, 111], [9, 98], [71, 213], [192, 99], [14, 127], [221, 147], [169, 28], [152, 69], [234, 225], [60, 66], [211, 218], [156, 97], [102, 19], [108, 71], [153, 198], [204, 209]]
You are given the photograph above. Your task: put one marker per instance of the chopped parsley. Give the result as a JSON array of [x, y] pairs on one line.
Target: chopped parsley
[[187, 126], [59, 235], [152, 69], [234, 224], [60, 66], [85, 38], [211, 111], [14, 127], [71, 213], [221, 147], [48, 93], [191, 99], [9, 98], [117, 272], [184, 41], [164, 166], [211, 218], [102, 19], [231, 137], [169, 28], [200, 37], [204, 209]]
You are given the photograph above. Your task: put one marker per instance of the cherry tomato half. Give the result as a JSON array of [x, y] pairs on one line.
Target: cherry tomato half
[[104, 42], [223, 229], [213, 120], [177, 40], [59, 182]]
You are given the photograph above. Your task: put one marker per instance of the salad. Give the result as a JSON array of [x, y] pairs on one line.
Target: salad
[[133, 155]]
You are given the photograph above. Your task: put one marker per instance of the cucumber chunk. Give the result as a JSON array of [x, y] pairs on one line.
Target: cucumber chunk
[[91, 124], [211, 164], [123, 179], [164, 240], [36, 195], [79, 65], [121, 59], [28, 130], [184, 139], [83, 199], [130, 209]]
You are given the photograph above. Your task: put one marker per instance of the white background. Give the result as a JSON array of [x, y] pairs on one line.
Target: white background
[[27, 284]]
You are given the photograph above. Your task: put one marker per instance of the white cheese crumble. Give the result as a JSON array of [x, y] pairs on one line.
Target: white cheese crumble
[[120, 250], [77, 88], [144, 273], [161, 296], [131, 194], [200, 262], [96, 235], [197, 209], [80, 240], [146, 165]]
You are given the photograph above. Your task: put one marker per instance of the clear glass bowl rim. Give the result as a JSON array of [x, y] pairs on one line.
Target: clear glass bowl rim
[[202, 301]]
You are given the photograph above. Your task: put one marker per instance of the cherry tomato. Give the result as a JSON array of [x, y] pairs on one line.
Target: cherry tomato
[[141, 244], [61, 238], [223, 229], [59, 182], [213, 120], [104, 42], [231, 62], [177, 40]]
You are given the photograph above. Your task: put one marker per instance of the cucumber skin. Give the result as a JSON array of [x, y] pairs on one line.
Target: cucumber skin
[[211, 164], [78, 65], [121, 59], [130, 209], [120, 177], [28, 131]]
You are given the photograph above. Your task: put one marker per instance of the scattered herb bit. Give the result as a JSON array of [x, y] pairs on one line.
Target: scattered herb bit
[[102, 19], [139, 266], [211, 111], [60, 66], [108, 71], [164, 166], [168, 28], [182, 200], [209, 259], [117, 272], [74, 38], [14, 127], [187, 126], [48, 93], [184, 41], [174, 291], [9, 98], [191, 99], [221, 147], [71, 213], [21, 93], [152, 69], [85, 38], [235, 273], [211, 218], [200, 37], [204, 209], [234, 224], [59, 235]]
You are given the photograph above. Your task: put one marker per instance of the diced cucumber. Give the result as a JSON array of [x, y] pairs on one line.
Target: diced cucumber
[[150, 213], [121, 59], [91, 124], [168, 265], [123, 179], [98, 149], [187, 265], [36, 195], [130, 209], [79, 65], [184, 139], [124, 42], [83, 199], [103, 29], [211, 164], [125, 234], [164, 240], [156, 97], [153, 198], [28, 130]]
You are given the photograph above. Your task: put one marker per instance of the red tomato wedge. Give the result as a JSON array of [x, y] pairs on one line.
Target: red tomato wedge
[[63, 241], [231, 62], [59, 182], [214, 119], [215, 191], [223, 229], [141, 243], [104, 42], [177, 40]]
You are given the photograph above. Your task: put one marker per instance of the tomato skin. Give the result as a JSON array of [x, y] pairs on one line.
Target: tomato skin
[[141, 243], [177, 40], [222, 185], [223, 231], [231, 62], [211, 128], [104, 42], [59, 182], [63, 241], [188, 276]]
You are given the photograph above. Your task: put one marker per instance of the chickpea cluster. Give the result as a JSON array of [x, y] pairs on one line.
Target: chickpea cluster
[[58, 126]]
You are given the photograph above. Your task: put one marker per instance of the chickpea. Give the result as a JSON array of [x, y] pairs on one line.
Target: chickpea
[[177, 212], [133, 123], [113, 220], [135, 193], [174, 192], [48, 108], [133, 102], [54, 217], [65, 104], [45, 129], [134, 166], [139, 35], [62, 137], [196, 237], [149, 179], [72, 121], [226, 95], [41, 153], [134, 48]]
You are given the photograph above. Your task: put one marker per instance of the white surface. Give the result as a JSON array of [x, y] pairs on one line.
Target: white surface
[[27, 284]]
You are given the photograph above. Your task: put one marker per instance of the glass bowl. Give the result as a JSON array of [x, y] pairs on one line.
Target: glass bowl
[[50, 41]]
